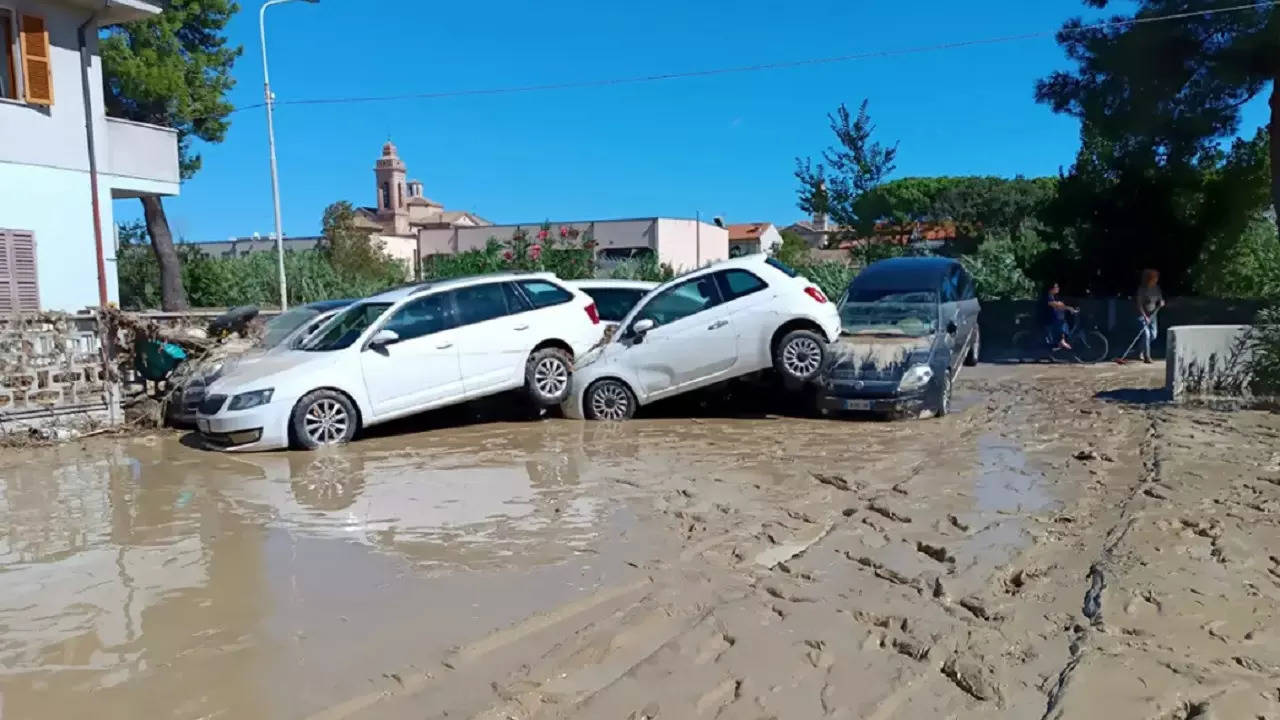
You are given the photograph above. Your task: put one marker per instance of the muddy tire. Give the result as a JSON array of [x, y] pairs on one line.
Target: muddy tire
[[322, 419], [547, 376], [942, 401], [975, 349], [800, 356], [609, 399]]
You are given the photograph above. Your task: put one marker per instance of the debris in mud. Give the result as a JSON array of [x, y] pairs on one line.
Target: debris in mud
[[959, 524], [1089, 454], [883, 507], [978, 606], [912, 648], [975, 678], [937, 552], [836, 481]]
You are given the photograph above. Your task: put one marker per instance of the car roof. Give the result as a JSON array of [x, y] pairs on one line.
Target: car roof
[[612, 283], [404, 291], [907, 272]]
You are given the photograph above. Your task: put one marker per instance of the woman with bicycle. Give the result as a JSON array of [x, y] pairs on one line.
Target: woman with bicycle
[[1150, 300]]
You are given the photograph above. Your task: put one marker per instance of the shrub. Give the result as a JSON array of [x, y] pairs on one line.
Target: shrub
[[1264, 364]]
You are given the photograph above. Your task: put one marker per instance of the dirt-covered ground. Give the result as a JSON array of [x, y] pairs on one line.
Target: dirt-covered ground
[[1061, 546]]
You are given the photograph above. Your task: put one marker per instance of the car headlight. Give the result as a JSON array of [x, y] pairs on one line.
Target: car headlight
[[244, 401], [916, 378]]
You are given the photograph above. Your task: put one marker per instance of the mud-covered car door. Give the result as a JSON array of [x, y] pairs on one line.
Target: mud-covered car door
[[949, 315], [968, 309]]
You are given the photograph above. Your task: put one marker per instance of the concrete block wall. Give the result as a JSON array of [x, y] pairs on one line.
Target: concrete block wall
[[50, 368], [1208, 361]]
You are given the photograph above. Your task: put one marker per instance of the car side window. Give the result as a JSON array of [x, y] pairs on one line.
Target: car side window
[[738, 283], [968, 290], [423, 316], [477, 303], [950, 289], [544, 294], [516, 302], [681, 301]]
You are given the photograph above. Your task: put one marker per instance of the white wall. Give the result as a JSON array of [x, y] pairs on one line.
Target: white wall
[[54, 204], [688, 244], [770, 239]]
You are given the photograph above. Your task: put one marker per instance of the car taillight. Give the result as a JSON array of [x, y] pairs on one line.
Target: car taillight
[[815, 293], [593, 313]]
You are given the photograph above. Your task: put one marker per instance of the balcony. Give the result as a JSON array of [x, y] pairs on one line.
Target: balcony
[[142, 159]]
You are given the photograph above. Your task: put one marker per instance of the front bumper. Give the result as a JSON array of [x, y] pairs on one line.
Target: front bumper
[[262, 428], [876, 398]]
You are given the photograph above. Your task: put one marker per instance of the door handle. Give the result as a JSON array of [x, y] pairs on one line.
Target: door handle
[[445, 346], [717, 324], [521, 327]]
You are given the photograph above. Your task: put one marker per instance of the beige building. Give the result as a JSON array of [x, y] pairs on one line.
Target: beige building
[[403, 210], [682, 244]]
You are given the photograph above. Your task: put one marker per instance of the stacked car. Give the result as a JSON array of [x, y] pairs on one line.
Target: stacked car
[[600, 349]]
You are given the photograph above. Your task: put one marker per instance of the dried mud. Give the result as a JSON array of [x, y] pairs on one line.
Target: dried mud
[[1043, 552]]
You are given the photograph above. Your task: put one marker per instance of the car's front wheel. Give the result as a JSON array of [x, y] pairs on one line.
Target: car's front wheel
[[975, 349], [323, 418], [546, 376], [799, 355], [942, 402], [609, 399]]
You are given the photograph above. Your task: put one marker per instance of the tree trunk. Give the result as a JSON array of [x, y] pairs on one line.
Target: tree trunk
[[172, 295]]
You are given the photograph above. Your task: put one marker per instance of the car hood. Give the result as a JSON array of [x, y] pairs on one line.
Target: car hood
[[865, 357], [266, 368]]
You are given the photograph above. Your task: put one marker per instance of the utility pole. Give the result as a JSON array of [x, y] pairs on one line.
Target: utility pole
[[270, 100]]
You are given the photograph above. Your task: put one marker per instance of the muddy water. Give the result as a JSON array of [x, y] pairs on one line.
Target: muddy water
[[149, 579]]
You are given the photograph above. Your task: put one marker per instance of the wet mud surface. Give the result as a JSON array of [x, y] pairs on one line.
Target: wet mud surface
[[1058, 547]]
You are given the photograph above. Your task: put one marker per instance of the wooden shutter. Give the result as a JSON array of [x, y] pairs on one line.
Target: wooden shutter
[[37, 73], [19, 284]]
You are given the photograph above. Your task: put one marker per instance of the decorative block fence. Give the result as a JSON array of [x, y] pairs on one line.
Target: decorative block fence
[[52, 371]]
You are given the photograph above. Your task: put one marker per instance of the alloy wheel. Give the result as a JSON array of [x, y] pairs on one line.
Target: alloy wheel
[[801, 356], [326, 422], [550, 377], [610, 402]]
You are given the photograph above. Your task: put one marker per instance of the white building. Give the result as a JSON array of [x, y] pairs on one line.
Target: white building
[[56, 239], [682, 244], [751, 238]]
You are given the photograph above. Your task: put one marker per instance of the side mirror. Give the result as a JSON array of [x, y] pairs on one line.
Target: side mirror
[[951, 328], [383, 338], [640, 327]]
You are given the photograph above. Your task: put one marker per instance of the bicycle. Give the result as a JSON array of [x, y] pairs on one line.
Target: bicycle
[[1087, 346]]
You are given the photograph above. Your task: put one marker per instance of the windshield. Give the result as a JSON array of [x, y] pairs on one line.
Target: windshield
[[346, 327], [906, 313], [282, 326]]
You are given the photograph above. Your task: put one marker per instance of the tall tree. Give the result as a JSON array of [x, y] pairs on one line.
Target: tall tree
[[848, 171], [1161, 95], [173, 70]]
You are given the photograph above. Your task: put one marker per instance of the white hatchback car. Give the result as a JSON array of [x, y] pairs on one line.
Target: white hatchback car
[[723, 321], [403, 352]]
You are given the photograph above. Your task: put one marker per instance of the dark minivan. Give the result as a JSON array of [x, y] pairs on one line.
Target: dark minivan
[[906, 324]]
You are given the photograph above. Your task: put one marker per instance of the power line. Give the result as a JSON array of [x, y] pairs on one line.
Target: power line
[[637, 79]]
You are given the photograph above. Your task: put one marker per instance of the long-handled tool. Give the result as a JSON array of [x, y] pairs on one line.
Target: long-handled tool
[[1146, 327]]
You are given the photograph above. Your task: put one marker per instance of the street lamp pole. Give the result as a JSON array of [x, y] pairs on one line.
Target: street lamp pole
[[271, 145]]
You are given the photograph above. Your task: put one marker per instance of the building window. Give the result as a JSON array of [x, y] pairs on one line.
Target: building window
[[8, 56], [399, 195], [384, 196], [19, 285]]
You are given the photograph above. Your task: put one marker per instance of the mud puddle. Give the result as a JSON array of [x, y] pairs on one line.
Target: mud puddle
[[148, 579]]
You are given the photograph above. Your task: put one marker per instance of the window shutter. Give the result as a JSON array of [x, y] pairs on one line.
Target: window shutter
[[6, 275], [26, 284], [37, 73]]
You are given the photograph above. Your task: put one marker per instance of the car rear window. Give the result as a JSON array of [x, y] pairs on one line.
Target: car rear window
[[781, 267], [544, 294], [613, 304]]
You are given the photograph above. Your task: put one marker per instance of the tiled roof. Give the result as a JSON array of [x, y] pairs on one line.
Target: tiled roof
[[747, 231]]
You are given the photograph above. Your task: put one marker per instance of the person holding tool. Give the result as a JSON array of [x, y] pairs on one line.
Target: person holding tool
[[1150, 300]]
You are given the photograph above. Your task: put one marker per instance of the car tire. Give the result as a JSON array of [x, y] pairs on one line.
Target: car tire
[[975, 349], [609, 399], [800, 356], [942, 403], [322, 419], [547, 376]]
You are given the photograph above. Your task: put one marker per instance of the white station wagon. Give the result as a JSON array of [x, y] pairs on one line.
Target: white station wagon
[[724, 321], [403, 352]]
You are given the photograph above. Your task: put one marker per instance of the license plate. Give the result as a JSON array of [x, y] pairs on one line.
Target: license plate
[[856, 404], [202, 426]]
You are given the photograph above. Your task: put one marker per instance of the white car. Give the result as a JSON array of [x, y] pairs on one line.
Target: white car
[[403, 352], [729, 319], [614, 298]]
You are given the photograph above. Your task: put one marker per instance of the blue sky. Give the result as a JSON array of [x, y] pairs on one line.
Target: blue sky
[[719, 145]]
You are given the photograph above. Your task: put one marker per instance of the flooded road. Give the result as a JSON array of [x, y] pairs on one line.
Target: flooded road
[[717, 567]]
